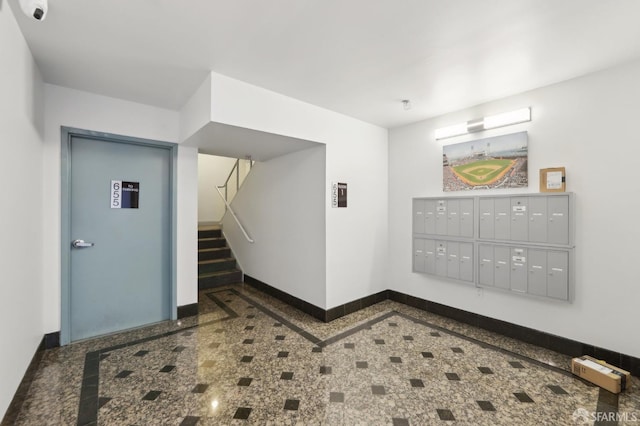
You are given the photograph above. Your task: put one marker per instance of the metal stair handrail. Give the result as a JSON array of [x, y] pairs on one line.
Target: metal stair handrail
[[234, 215], [235, 169]]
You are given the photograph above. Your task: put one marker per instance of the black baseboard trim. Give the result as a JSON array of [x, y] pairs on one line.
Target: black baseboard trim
[[300, 304], [313, 310], [356, 305], [545, 340], [189, 310], [11, 415], [559, 344], [51, 340]]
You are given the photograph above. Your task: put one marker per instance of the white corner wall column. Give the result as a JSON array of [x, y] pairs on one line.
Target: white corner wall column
[[21, 244], [356, 153]]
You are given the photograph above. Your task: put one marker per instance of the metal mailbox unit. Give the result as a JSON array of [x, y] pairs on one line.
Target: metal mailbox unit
[[443, 243], [518, 243], [528, 219], [451, 217]]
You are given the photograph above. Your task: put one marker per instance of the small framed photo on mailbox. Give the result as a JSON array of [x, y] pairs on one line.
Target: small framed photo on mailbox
[[553, 180]]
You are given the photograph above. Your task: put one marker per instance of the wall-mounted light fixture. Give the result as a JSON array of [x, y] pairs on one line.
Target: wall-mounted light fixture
[[490, 122], [406, 104]]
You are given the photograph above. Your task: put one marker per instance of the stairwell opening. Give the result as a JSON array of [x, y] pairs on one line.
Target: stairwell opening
[[217, 265]]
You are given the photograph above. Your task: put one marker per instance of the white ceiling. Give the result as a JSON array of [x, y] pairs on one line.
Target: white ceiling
[[357, 57], [239, 142]]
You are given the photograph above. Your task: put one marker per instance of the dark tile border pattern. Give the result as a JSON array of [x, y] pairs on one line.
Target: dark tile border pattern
[[90, 401], [545, 340], [607, 401]]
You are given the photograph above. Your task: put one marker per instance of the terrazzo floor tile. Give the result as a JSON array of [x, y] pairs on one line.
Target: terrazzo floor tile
[[248, 358]]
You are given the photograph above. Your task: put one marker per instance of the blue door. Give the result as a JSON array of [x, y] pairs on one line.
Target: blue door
[[119, 237]]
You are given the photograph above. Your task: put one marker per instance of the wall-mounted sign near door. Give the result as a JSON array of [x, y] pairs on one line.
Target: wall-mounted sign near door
[[124, 195], [338, 194]]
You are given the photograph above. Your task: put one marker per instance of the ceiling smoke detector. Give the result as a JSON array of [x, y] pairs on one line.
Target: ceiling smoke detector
[[36, 9]]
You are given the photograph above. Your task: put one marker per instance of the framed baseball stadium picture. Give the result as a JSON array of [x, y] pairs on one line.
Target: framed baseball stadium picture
[[490, 163]]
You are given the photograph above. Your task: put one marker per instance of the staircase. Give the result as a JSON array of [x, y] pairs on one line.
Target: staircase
[[216, 265]]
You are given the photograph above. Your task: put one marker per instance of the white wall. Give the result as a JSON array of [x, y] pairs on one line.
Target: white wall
[[21, 297], [212, 171], [197, 111], [187, 226], [357, 236], [73, 108], [588, 125], [281, 205], [356, 153]]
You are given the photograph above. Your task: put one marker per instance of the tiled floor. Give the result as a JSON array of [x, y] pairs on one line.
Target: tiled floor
[[250, 359]]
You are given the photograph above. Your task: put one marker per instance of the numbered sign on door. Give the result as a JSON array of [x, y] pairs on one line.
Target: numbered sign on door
[[124, 195]]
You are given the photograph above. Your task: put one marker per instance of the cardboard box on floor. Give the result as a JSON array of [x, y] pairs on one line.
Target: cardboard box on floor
[[605, 375]]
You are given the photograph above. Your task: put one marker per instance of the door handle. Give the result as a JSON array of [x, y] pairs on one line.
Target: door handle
[[81, 244]]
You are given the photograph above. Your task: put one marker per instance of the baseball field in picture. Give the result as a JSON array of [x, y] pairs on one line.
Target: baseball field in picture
[[497, 162]]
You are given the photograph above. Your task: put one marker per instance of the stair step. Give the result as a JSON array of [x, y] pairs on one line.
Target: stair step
[[205, 243], [215, 265], [214, 253], [216, 279], [209, 232]]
